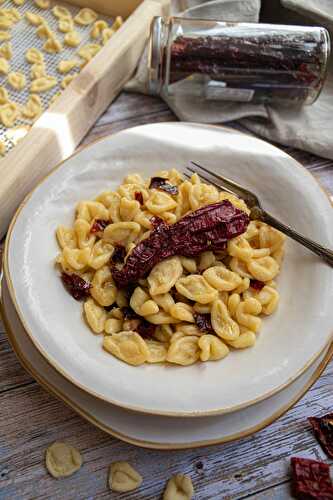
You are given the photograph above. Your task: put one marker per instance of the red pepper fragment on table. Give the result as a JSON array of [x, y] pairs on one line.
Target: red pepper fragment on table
[[163, 185], [99, 225], [257, 285], [76, 286], [208, 228], [311, 479], [203, 322], [323, 430]]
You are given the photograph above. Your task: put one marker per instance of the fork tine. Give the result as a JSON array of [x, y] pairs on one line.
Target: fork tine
[[203, 177], [237, 189]]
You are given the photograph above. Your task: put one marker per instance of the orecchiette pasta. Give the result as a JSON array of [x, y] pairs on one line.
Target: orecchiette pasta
[[196, 288], [103, 289], [95, 316], [164, 276], [85, 16], [212, 348], [185, 309], [127, 346], [184, 351]]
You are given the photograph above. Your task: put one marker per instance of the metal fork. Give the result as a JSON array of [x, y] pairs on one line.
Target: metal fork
[[257, 212]]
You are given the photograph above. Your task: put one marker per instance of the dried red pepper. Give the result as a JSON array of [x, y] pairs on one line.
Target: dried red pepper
[[323, 430], [145, 329], [129, 313], [208, 228], [76, 286], [119, 254], [311, 479], [163, 185], [257, 285], [139, 197], [203, 322], [99, 225]]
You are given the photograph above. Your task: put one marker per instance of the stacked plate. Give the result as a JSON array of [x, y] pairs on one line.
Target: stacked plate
[[150, 405]]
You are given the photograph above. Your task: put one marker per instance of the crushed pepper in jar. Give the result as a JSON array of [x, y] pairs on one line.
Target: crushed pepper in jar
[[223, 61]]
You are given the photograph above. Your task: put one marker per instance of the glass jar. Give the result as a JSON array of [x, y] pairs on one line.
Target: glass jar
[[224, 61]]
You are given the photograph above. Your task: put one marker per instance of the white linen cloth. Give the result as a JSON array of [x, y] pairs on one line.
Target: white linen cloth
[[308, 127]]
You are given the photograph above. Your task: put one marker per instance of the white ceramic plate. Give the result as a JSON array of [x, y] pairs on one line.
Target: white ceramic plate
[[290, 340], [155, 431]]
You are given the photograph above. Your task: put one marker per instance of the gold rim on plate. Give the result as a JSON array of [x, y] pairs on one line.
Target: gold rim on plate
[[55, 391], [54, 364]]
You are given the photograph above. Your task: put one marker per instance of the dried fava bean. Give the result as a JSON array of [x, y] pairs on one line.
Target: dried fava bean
[[16, 80], [311, 479], [85, 16], [43, 84], [72, 39], [323, 430], [123, 477], [179, 487], [127, 346], [62, 460]]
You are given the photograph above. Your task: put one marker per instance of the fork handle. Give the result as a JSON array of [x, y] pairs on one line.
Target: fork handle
[[325, 253]]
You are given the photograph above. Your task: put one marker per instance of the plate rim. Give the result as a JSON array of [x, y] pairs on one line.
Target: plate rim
[[84, 413], [53, 363]]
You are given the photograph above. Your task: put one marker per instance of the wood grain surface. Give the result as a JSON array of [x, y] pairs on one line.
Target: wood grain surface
[[256, 467]]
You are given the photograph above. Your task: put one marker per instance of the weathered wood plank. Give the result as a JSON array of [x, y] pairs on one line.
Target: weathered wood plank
[[229, 471]]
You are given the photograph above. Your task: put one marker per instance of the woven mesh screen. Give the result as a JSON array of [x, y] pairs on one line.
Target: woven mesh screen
[[23, 37]]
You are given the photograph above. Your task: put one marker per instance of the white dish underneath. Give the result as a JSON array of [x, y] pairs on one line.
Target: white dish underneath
[[153, 431]]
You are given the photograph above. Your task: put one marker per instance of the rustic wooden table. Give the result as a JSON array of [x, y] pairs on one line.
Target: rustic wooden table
[[255, 467]]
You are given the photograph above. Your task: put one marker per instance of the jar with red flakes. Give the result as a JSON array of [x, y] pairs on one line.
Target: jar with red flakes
[[245, 62]]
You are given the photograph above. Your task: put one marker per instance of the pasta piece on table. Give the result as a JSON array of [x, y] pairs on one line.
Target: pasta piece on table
[[8, 114], [4, 66], [34, 56], [42, 4], [123, 478], [43, 84]]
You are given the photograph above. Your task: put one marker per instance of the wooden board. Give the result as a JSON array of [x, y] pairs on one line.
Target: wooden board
[[59, 130], [255, 468]]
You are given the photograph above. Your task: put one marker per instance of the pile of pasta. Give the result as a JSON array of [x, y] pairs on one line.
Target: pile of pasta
[[179, 289], [39, 78]]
